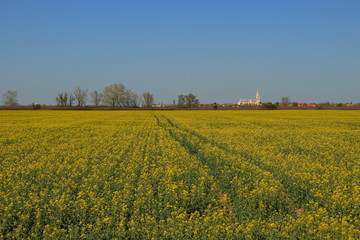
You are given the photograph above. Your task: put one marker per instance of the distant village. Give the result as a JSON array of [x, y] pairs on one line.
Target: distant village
[[256, 103]]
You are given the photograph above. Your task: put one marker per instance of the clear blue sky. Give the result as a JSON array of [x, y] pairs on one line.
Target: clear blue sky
[[307, 50]]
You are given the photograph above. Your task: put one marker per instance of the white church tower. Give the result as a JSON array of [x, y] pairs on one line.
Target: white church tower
[[251, 102], [258, 99]]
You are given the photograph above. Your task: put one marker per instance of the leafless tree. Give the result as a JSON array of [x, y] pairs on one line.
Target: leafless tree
[[80, 96], [181, 99], [114, 94], [131, 99], [191, 100], [9, 98], [148, 99], [285, 101], [95, 97], [137, 99], [62, 98], [71, 100]]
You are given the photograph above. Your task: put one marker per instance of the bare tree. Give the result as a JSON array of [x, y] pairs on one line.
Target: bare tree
[[114, 94], [9, 98], [285, 101], [80, 96], [95, 97], [62, 98], [181, 99], [130, 99], [148, 99], [137, 99], [191, 100], [71, 100]]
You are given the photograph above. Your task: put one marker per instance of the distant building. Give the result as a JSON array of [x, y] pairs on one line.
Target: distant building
[[301, 104], [251, 102], [229, 105], [205, 105], [157, 105]]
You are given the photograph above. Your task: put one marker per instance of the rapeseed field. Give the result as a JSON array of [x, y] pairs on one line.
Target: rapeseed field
[[180, 174]]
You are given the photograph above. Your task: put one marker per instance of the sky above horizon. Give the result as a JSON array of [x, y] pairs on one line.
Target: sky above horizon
[[221, 51]]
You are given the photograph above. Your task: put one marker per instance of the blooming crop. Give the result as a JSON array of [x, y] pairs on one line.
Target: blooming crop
[[180, 174]]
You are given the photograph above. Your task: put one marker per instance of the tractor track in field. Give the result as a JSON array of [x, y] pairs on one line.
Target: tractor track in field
[[295, 196], [211, 166]]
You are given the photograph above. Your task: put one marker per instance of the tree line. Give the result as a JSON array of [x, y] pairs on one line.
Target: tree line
[[189, 100], [115, 95]]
